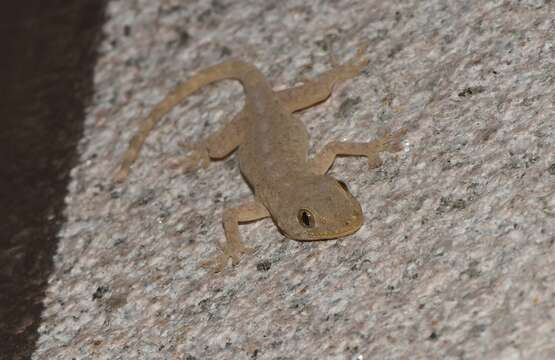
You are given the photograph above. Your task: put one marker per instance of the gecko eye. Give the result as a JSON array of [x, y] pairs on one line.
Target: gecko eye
[[305, 218], [343, 185]]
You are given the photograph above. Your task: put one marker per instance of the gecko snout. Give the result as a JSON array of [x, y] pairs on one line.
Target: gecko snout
[[355, 219]]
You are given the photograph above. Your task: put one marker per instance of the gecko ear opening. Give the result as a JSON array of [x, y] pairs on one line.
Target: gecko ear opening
[[343, 185], [305, 218]]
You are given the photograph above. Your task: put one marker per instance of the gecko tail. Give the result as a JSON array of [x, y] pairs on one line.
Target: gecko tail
[[232, 69]]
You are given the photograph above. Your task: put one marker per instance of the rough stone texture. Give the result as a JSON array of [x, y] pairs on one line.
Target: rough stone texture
[[456, 259]]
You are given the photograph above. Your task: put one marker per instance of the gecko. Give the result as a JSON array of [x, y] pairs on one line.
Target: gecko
[[295, 191]]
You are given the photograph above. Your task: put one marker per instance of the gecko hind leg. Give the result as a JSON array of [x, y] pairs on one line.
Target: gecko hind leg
[[198, 156], [390, 142], [315, 91], [234, 247], [216, 146]]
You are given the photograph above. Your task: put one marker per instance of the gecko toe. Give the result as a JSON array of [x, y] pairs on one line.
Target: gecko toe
[[248, 250], [215, 264], [374, 161], [395, 143], [121, 175]]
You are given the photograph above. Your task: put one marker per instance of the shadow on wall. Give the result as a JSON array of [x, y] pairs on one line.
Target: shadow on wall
[[46, 74]]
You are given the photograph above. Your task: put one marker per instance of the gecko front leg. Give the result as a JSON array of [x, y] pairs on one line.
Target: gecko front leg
[[234, 247], [390, 142], [319, 89]]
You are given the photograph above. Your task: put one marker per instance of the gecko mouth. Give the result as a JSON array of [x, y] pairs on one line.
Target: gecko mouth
[[350, 227], [333, 234]]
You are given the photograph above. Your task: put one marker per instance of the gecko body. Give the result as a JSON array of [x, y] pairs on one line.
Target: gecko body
[[304, 202]]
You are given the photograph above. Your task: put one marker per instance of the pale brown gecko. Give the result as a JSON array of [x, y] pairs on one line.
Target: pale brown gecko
[[304, 202]]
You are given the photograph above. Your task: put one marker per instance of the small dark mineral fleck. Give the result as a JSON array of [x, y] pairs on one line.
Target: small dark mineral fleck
[[100, 292], [472, 90], [264, 265]]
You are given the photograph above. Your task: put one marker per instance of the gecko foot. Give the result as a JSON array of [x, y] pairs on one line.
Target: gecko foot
[[354, 66], [390, 142], [393, 140], [230, 251], [198, 156], [121, 175]]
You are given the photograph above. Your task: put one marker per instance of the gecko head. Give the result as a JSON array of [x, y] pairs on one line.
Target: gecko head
[[316, 208]]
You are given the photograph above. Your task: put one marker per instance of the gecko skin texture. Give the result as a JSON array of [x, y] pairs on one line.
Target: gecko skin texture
[[304, 202]]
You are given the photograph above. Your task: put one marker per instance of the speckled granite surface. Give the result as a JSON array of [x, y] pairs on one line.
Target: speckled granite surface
[[456, 259]]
